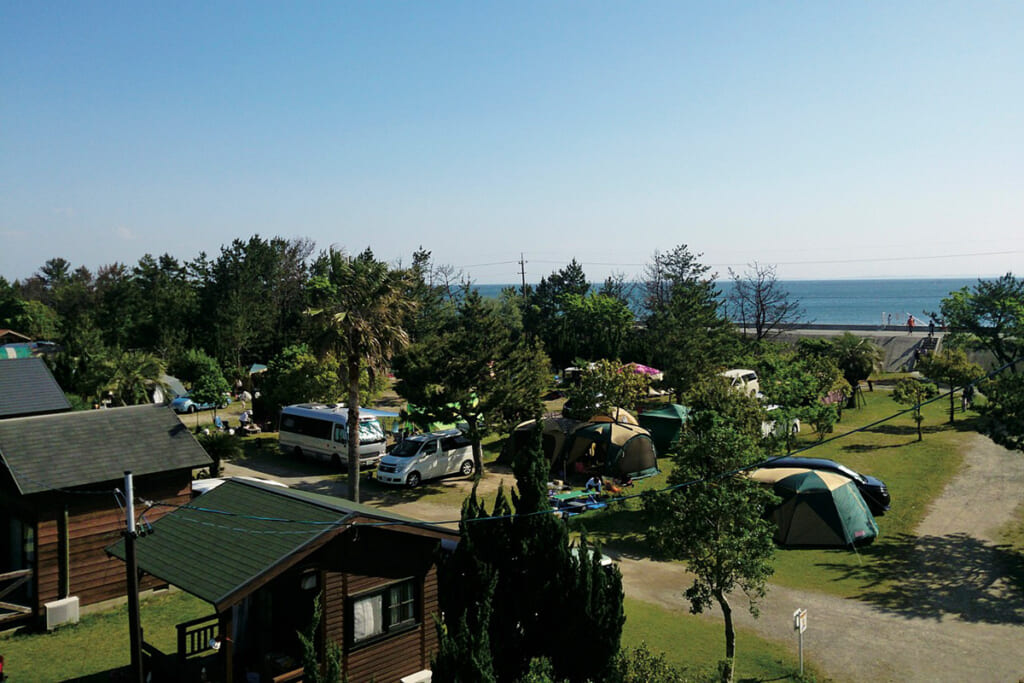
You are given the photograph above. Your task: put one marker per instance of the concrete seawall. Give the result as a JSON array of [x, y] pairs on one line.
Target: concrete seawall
[[897, 344]]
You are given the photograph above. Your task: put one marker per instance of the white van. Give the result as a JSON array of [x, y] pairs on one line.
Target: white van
[[743, 380], [321, 430], [427, 456]]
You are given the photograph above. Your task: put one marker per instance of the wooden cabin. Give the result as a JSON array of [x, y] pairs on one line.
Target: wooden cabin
[[61, 506], [261, 554]]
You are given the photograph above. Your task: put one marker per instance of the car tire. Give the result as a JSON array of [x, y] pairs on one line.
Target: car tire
[[297, 452], [467, 468], [336, 461], [413, 480], [191, 409]]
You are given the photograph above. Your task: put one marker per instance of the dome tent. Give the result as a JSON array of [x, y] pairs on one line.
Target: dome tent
[[554, 433], [614, 414], [665, 424], [818, 509], [623, 450]]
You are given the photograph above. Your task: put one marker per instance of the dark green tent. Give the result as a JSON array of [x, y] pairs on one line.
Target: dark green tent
[[665, 424], [623, 450], [818, 509]]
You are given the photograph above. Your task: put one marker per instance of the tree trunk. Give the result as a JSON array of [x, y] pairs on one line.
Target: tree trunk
[[952, 405], [730, 636], [353, 429], [478, 450]]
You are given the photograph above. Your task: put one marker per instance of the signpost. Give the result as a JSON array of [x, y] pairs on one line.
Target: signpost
[[800, 625]]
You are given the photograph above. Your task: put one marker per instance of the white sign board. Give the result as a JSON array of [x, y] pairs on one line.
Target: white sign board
[[800, 620]]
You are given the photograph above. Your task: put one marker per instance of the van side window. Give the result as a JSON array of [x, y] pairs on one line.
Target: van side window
[[429, 447], [449, 443], [339, 433]]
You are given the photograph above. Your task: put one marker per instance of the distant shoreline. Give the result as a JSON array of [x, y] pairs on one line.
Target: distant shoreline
[[876, 303]]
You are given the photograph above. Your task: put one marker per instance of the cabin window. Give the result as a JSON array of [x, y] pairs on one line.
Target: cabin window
[[392, 609]]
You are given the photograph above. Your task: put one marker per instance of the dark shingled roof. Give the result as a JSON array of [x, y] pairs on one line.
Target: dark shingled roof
[[94, 446], [28, 388], [231, 537]]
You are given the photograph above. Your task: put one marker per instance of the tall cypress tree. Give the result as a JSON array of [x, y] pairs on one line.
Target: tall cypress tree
[[546, 601]]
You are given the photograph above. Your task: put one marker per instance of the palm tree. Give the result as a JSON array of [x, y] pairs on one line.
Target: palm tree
[[358, 304], [133, 376], [857, 357]]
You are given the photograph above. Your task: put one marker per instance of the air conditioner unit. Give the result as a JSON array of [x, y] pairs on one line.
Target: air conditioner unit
[[60, 612]]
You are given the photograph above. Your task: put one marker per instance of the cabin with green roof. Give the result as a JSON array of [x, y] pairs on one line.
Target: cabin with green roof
[[260, 554]]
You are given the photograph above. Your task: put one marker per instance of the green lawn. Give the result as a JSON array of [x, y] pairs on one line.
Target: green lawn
[[697, 644], [915, 473], [98, 643]]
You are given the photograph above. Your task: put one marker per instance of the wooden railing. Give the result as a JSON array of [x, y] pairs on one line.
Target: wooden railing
[[195, 636], [289, 677], [9, 610]]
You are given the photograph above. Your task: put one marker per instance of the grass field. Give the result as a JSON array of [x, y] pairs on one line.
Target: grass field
[[914, 471], [98, 643], [697, 644]]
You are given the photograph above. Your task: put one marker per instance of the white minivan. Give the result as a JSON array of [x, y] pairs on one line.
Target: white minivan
[[743, 380], [427, 456], [321, 430]]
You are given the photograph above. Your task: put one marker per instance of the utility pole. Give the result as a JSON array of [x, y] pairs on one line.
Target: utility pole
[[132, 567], [522, 272]]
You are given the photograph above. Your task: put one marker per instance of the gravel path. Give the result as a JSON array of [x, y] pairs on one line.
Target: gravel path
[[952, 617]]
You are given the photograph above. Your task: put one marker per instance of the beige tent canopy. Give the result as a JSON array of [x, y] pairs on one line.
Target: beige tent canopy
[[554, 433], [614, 414]]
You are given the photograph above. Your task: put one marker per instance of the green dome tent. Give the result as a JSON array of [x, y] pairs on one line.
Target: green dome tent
[[665, 424], [623, 450], [554, 434], [818, 509]]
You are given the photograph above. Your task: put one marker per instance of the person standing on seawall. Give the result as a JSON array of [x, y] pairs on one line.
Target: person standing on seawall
[[910, 324]]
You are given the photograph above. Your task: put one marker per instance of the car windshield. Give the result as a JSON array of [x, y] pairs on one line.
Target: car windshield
[[370, 430], [407, 449]]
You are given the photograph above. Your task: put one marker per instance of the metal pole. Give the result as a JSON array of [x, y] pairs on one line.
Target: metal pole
[[132, 567], [801, 652]]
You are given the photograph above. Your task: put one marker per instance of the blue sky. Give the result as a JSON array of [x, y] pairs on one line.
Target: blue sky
[[833, 139]]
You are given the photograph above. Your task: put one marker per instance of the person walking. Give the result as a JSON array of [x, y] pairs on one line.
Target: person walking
[[910, 324], [931, 327]]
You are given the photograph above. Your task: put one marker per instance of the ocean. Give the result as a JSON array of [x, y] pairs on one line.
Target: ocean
[[849, 302]]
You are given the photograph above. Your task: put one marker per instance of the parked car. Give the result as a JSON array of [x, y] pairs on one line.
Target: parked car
[[769, 427], [873, 490], [743, 380], [427, 456], [185, 404]]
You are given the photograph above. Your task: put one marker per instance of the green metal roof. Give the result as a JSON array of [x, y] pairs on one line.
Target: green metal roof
[[234, 535], [86, 447]]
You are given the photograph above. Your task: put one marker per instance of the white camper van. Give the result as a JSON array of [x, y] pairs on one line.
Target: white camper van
[[321, 430], [427, 456]]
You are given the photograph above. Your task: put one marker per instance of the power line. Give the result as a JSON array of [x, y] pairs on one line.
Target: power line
[[884, 259]]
